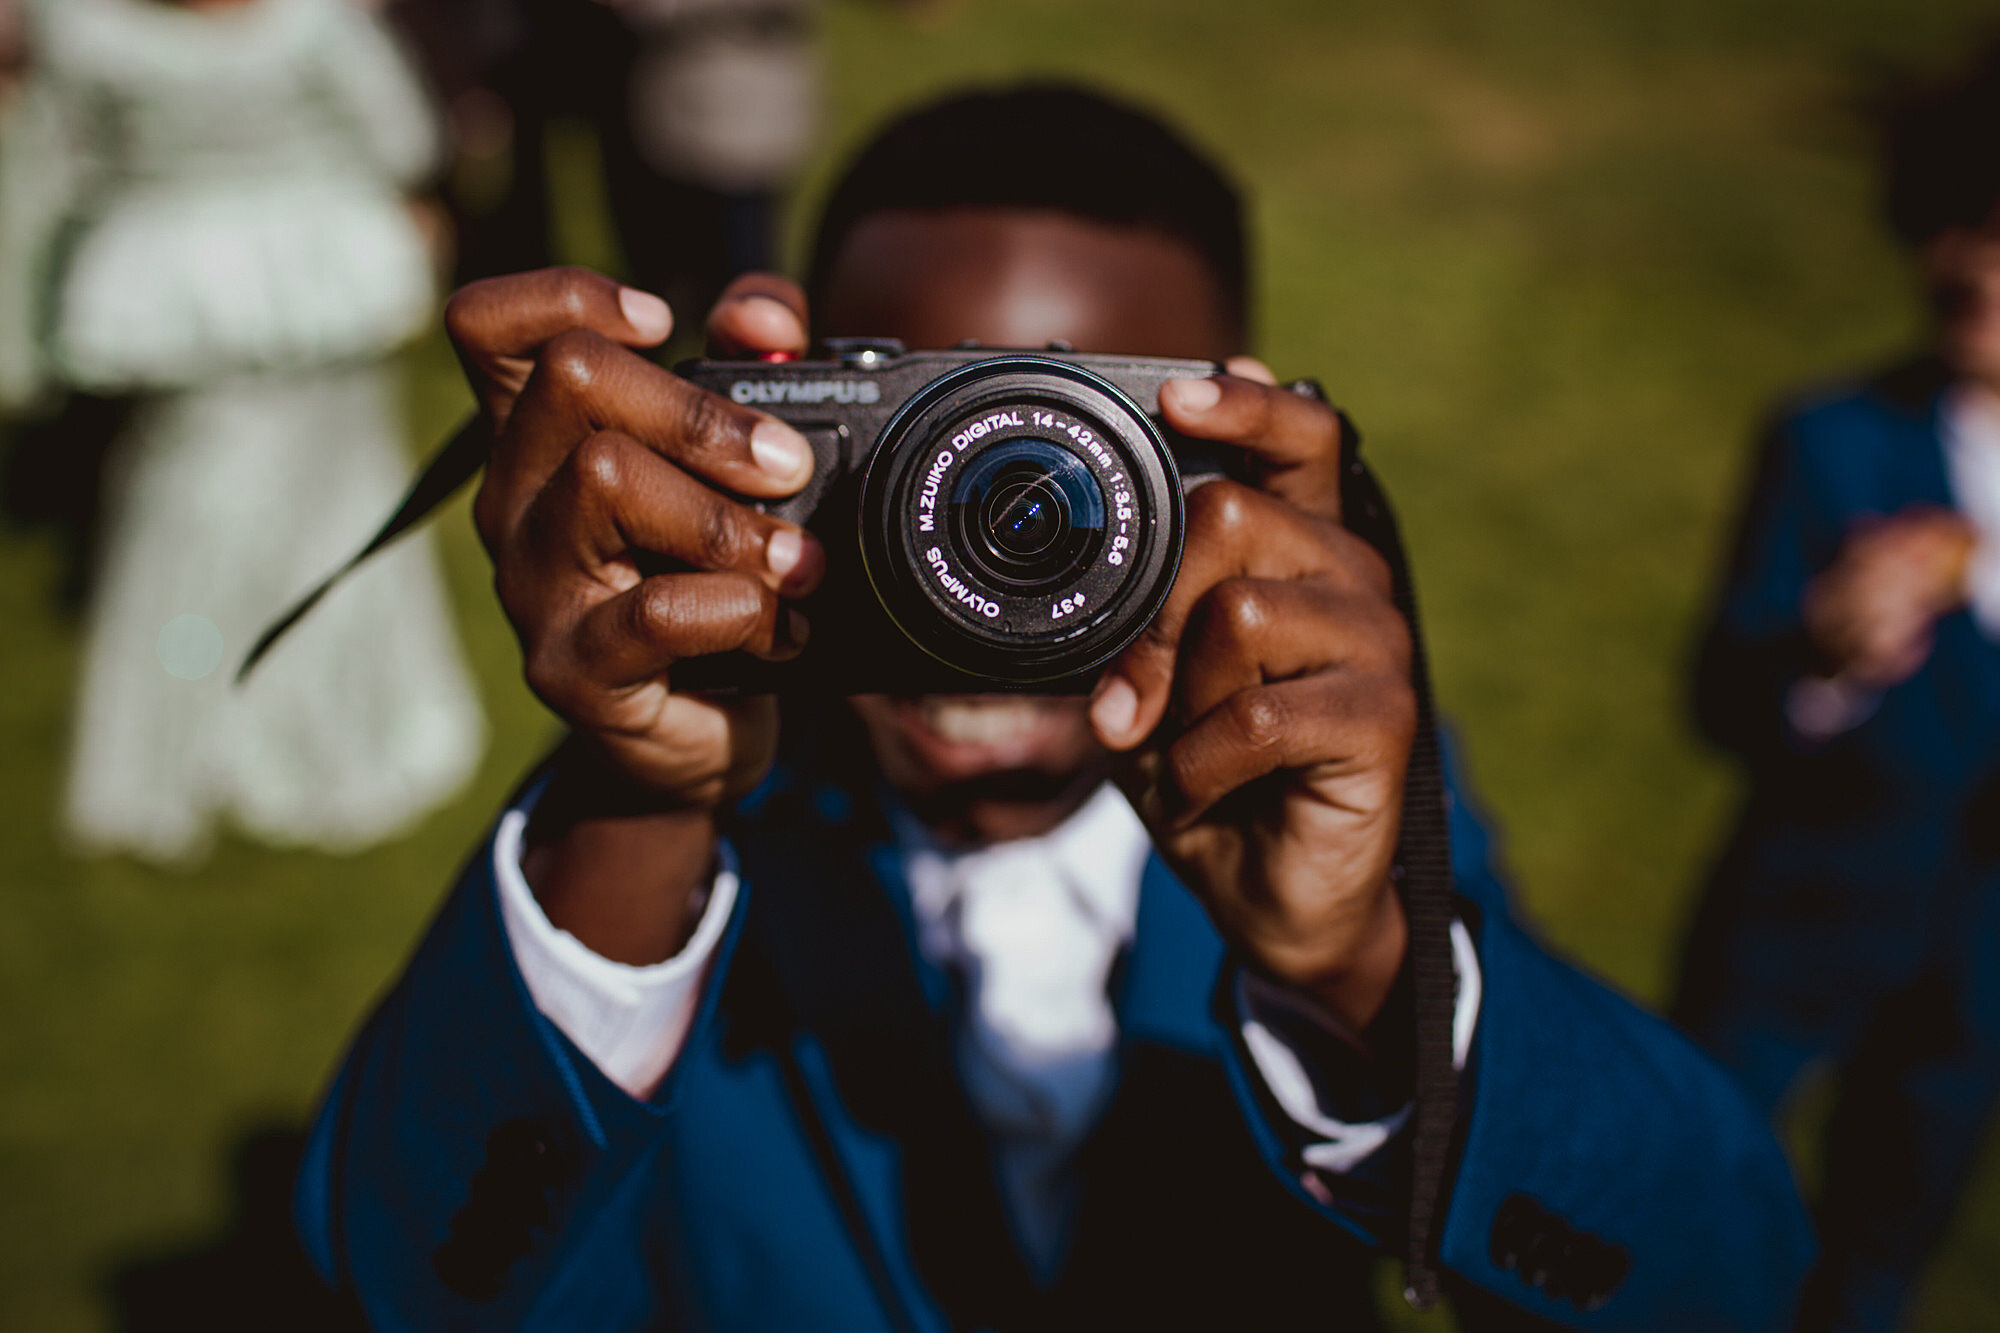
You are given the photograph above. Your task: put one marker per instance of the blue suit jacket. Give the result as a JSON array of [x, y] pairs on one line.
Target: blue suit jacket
[[1850, 854], [809, 1162]]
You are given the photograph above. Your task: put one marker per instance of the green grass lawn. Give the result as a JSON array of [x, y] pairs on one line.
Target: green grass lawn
[[1554, 257]]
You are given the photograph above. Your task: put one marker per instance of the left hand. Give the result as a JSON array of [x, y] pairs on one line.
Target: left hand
[[1872, 613], [1266, 714]]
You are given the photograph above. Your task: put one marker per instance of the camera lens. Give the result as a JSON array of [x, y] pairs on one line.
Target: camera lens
[[1020, 520], [1027, 514]]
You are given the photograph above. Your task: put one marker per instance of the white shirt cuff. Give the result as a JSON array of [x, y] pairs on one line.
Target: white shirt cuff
[[1339, 1146], [630, 1021]]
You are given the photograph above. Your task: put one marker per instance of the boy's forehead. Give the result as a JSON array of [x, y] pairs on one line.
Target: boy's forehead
[[1020, 278]]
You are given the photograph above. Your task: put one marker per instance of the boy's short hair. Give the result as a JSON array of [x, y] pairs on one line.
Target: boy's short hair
[[1941, 143], [1047, 146]]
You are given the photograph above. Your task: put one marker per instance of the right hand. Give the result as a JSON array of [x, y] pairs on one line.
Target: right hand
[[1872, 611], [602, 463]]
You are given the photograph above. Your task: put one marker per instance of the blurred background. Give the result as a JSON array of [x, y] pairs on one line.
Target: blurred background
[[1555, 256]]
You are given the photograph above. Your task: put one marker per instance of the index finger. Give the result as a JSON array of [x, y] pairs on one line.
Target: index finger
[[1293, 441], [584, 384], [1233, 532], [758, 314], [498, 325]]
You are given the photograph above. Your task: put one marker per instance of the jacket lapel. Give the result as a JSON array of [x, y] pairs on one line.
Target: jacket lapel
[[1965, 666], [1166, 980], [868, 1051]]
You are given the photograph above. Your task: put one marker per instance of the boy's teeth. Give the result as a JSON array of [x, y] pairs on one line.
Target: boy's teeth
[[984, 722]]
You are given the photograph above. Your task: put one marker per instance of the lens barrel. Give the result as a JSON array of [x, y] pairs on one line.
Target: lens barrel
[[1021, 519]]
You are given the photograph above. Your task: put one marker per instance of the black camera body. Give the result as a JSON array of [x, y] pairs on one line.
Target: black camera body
[[993, 519]]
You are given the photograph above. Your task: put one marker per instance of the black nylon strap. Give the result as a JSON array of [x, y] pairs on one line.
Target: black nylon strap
[[1423, 865], [454, 464]]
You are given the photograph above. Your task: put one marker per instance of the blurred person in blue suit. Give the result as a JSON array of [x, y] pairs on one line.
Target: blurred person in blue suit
[[989, 1011], [1853, 664]]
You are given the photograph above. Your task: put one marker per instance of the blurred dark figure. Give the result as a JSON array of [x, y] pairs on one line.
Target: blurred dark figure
[[251, 1277], [459, 47], [1854, 664], [13, 50], [703, 110], [52, 477]]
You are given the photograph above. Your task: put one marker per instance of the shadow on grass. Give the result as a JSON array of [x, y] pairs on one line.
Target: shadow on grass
[[252, 1275]]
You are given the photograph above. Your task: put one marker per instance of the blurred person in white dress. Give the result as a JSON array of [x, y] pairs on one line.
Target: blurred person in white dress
[[208, 220]]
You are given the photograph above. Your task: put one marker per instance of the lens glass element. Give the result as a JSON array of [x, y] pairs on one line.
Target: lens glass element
[[1028, 513]]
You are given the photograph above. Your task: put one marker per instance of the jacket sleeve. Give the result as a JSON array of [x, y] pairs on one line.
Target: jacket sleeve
[[467, 1151], [1608, 1175], [1611, 1176]]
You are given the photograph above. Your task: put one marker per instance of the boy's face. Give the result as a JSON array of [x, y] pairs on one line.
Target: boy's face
[[983, 768], [1961, 268]]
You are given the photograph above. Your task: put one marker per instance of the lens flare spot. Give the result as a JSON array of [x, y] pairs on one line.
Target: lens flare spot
[[189, 647]]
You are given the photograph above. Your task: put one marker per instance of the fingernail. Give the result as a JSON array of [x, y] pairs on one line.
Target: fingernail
[[1195, 395], [782, 552], [1115, 708], [646, 313], [1250, 368], [779, 320], [781, 451]]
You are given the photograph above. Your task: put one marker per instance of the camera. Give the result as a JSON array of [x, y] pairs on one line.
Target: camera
[[993, 519]]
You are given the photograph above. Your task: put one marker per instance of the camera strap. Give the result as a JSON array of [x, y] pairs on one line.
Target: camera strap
[[1424, 880], [455, 463]]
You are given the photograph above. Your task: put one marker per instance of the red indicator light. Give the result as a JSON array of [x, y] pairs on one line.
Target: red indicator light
[[778, 358]]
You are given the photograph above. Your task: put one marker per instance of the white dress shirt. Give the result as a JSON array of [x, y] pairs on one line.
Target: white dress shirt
[[1972, 462], [629, 1020], [1032, 928]]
